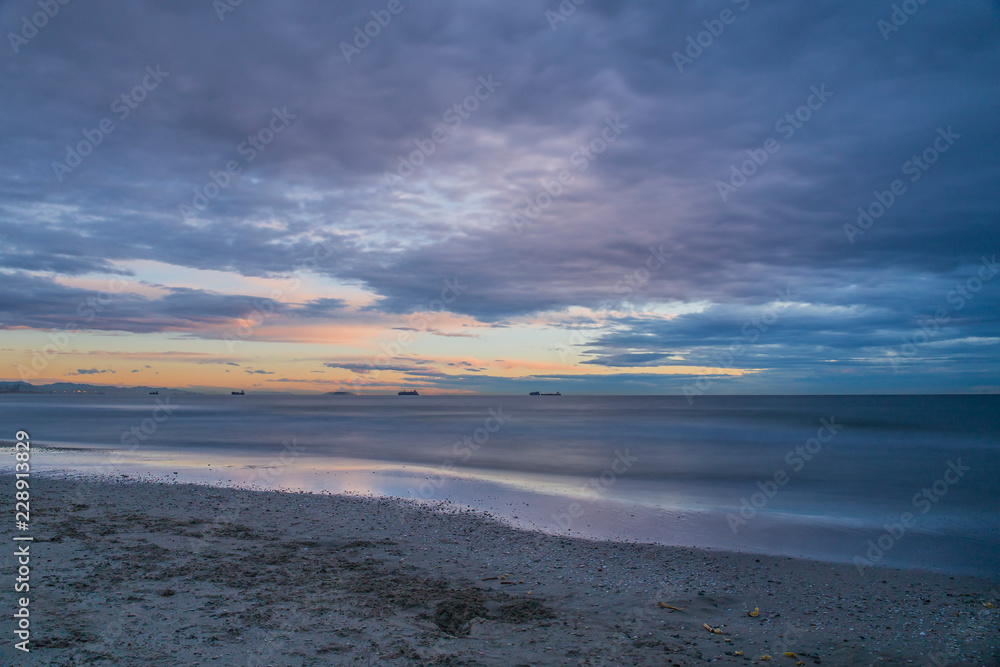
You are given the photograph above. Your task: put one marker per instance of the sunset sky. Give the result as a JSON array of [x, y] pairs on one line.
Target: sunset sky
[[501, 197]]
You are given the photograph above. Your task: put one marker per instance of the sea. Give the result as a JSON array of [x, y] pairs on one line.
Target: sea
[[898, 481]]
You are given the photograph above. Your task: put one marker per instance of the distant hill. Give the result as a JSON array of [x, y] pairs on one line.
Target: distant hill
[[74, 388]]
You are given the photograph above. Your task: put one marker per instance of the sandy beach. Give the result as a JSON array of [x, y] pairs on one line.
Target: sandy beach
[[143, 572]]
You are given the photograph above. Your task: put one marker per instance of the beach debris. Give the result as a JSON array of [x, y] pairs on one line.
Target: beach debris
[[988, 605], [671, 607], [754, 613], [737, 652], [789, 654], [765, 657], [708, 627], [489, 578], [800, 663], [727, 639], [456, 615]]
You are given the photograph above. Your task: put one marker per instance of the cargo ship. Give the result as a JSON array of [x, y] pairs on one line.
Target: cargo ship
[[412, 392]]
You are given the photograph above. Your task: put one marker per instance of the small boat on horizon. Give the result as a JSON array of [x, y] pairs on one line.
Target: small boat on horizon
[[411, 392], [541, 393], [239, 393], [154, 393]]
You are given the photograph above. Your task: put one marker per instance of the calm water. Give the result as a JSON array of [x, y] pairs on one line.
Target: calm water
[[812, 476]]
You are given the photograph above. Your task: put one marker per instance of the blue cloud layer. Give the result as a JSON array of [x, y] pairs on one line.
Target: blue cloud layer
[[320, 181]]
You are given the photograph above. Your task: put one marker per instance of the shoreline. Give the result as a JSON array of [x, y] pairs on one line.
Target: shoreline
[[136, 571], [545, 504]]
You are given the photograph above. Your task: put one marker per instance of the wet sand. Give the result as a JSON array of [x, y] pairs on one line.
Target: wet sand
[[138, 573]]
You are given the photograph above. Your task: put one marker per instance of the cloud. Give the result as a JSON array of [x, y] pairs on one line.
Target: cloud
[[313, 204], [43, 303], [418, 369]]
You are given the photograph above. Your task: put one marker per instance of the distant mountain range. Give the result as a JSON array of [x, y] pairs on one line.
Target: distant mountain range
[[74, 388]]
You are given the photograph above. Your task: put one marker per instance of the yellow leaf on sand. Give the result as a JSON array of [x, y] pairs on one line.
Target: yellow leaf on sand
[[800, 663], [728, 639], [789, 654], [765, 657], [737, 652], [988, 605], [754, 613]]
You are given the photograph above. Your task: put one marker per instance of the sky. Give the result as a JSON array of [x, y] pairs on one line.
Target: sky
[[584, 196]]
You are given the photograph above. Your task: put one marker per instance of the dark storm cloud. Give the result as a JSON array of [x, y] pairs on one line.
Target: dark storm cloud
[[320, 183], [28, 301]]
